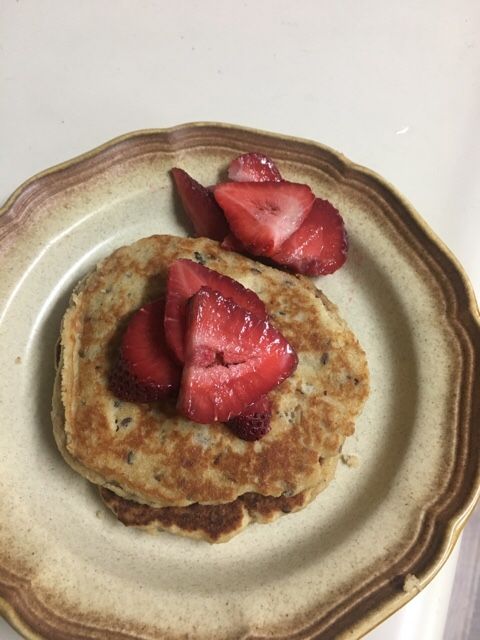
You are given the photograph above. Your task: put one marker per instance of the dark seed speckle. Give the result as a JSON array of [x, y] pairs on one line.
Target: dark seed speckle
[[199, 258]]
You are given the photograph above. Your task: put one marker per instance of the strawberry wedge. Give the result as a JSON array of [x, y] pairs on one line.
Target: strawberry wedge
[[319, 246], [254, 422], [145, 370], [200, 206], [250, 167], [232, 358], [262, 215], [253, 167], [231, 243], [185, 278]]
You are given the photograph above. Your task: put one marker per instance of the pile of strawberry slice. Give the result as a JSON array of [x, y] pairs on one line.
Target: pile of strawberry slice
[[257, 213], [210, 344]]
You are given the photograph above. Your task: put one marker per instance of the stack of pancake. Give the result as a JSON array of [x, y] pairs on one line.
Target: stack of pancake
[[159, 471]]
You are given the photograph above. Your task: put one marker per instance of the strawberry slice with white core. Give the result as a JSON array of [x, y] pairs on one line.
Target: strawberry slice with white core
[[253, 167], [232, 358], [319, 246], [145, 370], [185, 278], [262, 215], [200, 206]]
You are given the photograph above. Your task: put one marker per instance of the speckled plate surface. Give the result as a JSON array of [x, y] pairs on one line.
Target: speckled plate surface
[[365, 546]]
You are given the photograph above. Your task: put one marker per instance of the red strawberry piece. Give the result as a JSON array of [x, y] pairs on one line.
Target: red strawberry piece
[[185, 278], [250, 167], [320, 246], [231, 243], [232, 358], [254, 422], [262, 215], [145, 371], [200, 206], [253, 167]]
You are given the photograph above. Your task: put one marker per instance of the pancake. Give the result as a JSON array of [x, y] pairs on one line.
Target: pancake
[[152, 455], [214, 523]]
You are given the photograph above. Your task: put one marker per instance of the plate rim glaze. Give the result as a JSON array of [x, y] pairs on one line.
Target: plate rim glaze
[[445, 519]]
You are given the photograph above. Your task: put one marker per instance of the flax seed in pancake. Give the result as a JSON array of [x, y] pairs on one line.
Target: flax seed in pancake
[[214, 522], [177, 462]]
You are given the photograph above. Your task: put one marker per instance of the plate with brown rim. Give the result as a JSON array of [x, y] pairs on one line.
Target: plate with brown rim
[[364, 547]]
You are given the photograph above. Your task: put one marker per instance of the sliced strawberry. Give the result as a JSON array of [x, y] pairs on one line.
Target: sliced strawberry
[[254, 422], [231, 243], [250, 167], [253, 167], [232, 358], [262, 215], [320, 246], [200, 206], [185, 278], [145, 371]]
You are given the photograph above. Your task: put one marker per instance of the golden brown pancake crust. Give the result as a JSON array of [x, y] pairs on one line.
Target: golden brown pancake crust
[[152, 455], [215, 523]]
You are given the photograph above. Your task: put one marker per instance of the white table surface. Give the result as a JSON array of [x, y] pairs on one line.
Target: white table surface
[[394, 86]]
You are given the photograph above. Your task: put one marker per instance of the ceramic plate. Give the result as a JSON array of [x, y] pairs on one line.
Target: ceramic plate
[[380, 531]]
